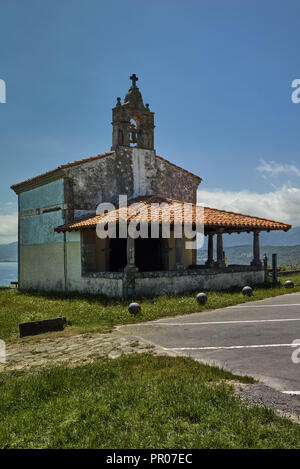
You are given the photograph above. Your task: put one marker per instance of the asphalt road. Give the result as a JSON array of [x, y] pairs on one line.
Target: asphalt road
[[254, 339]]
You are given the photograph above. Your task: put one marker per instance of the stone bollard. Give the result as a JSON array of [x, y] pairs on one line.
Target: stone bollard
[[134, 309], [247, 291], [289, 284], [265, 261], [201, 298]]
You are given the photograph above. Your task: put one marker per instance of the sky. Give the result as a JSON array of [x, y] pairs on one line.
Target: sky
[[217, 75]]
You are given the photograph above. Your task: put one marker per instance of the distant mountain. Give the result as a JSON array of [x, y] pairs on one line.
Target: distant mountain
[[274, 238], [9, 252], [244, 254]]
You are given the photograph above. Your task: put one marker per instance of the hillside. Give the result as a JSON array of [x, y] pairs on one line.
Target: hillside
[[274, 238], [241, 254], [244, 254], [9, 252]]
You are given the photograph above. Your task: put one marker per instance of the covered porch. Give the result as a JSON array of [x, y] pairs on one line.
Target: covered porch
[[147, 266]]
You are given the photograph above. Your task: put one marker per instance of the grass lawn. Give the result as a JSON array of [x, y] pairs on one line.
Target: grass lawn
[[87, 313], [136, 401]]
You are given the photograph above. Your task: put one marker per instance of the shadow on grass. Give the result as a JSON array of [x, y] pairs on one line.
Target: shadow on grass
[[111, 301]]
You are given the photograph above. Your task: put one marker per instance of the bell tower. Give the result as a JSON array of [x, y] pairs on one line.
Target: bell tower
[[133, 123]]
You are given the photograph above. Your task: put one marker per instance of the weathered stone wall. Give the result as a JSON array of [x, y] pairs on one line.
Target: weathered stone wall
[[174, 183], [129, 171], [101, 180], [178, 282]]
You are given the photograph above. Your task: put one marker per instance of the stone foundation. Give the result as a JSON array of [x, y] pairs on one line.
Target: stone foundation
[[159, 283]]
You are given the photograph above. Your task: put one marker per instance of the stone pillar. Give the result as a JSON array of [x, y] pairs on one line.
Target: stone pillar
[[210, 251], [256, 251], [274, 268], [220, 256], [130, 267], [265, 262], [165, 250], [178, 254]]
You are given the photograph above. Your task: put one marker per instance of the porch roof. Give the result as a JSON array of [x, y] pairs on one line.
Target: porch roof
[[176, 211]]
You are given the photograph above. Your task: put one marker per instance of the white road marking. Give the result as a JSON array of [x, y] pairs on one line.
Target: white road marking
[[296, 393], [214, 322], [231, 347], [263, 306]]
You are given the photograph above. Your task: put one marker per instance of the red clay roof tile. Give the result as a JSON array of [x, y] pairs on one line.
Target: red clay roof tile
[[146, 212]]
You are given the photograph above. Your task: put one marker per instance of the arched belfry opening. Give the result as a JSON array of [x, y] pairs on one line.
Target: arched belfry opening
[[133, 131], [133, 122]]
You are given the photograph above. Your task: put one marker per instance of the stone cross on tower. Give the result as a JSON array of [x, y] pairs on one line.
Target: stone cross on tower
[[134, 79]]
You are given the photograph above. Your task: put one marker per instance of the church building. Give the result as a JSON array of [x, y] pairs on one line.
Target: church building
[[59, 249]]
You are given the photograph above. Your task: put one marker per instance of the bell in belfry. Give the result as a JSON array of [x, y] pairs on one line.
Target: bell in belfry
[[133, 134]]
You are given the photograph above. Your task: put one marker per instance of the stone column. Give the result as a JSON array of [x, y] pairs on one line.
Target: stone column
[[210, 251], [178, 254], [220, 256], [274, 268], [165, 253], [256, 251], [265, 263], [130, 267]]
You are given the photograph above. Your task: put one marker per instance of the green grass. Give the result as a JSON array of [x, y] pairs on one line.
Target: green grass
[[87, 313], [136, 401]]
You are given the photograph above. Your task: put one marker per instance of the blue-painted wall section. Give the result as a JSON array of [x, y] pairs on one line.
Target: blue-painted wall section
[[39, 229], [44, 196]]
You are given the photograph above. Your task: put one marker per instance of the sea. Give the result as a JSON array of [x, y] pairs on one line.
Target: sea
[[8, 273]]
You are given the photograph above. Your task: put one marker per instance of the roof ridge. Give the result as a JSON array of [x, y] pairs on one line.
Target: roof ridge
[[62, 166], [86, 160]]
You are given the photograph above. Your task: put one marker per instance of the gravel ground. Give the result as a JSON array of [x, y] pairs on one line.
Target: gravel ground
[[259, 394], [71, 350]]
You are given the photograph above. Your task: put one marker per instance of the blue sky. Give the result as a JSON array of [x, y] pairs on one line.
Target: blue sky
[[217, 75]]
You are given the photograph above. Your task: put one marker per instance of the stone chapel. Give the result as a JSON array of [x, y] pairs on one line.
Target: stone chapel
[[59, 249]]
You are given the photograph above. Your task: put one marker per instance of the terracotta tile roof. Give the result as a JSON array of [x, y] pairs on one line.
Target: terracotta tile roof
[[62, 166], [144, 212]]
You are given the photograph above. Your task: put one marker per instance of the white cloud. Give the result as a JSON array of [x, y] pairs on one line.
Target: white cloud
[[8, 228], [281, 205], [273, 169]]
